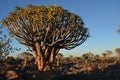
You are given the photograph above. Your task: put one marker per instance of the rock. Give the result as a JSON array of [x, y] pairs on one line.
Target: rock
[[47, 68], [12, 75]]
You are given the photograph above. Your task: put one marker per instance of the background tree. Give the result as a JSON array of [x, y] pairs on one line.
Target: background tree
[[58, 57], [118, 29], [108, 53], [87, 56], [104, 56], [117, 50], [26, 56], [46, 30], [77, 59], [96, 58], [5, 47]]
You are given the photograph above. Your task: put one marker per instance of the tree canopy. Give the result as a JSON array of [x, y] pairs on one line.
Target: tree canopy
[[27, 55], [49, 25]]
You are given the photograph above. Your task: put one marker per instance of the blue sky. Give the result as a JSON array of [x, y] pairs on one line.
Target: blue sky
[[101, 17]]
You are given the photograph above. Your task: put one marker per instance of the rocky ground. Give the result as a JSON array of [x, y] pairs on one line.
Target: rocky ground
[[13, 70]]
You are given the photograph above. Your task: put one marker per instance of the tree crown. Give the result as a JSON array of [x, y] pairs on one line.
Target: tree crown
[[50, 26]]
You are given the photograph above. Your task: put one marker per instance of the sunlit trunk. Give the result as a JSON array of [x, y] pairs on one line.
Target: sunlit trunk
[[118, 57], [25, 62], [58, 61], [52, 55], [44, 59], [36, 60], [51, 58], [43, 64], [39, 58]]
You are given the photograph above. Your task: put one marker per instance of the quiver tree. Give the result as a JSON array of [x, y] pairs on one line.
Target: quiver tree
[[26, 56], [108, 53], [87, 57], [46, 30], [104, 56], [117, 50]]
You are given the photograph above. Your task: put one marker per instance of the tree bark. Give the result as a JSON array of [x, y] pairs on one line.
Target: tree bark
[[53, 54], [39, 57], [25, 62], [58, 61], [44, 58], [42, 62]]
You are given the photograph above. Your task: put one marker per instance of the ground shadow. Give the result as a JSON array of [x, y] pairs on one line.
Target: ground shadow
[[110, 73]]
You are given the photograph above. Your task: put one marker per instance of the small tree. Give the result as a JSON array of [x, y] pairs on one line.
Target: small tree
[[118, 29], [87, 56], [104, 56], [97, 58], [5, 47], [46, 30], [117, 50], [58, 57], [108, 53], [26, 56]]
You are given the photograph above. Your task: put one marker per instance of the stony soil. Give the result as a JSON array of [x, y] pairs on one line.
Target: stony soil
[[13, 70]]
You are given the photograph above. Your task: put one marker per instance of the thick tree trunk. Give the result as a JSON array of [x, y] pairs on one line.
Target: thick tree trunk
[[44, 57], [43, 64], [41, 60], [39, 56]]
